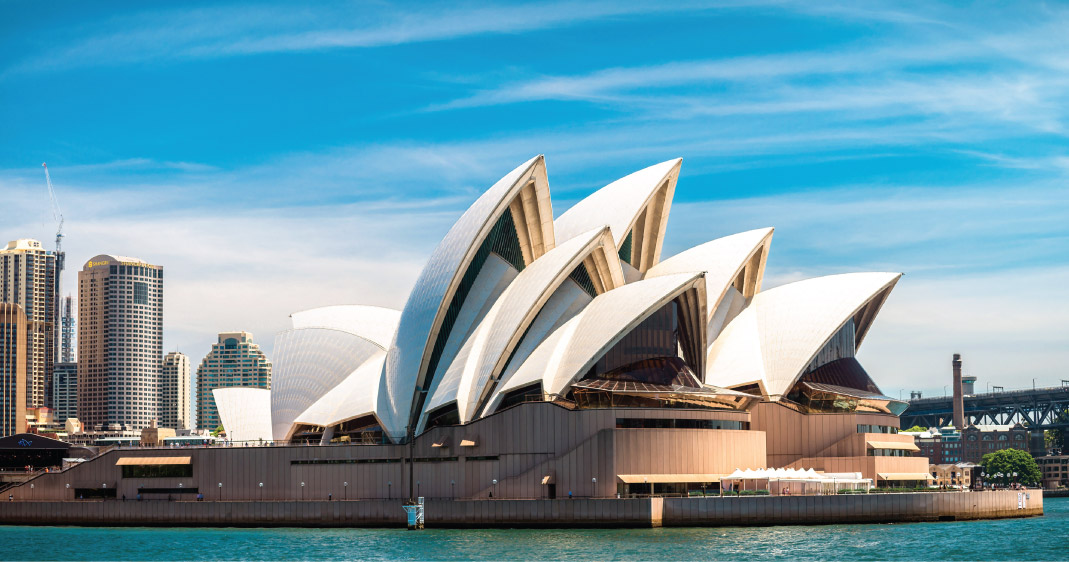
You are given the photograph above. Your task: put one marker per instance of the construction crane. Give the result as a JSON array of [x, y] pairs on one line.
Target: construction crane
[[61, 258], [57, 215]]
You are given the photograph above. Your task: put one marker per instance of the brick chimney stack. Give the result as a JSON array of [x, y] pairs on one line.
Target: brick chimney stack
[[959, 396]]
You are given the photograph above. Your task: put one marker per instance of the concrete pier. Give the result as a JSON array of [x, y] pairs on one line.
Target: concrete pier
[[608, 512]]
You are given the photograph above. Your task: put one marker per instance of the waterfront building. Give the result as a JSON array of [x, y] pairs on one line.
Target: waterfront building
[[957, 475], [13, 352], [176, 387], [120, 342], [1055, 470], [235, 361], [65, 392], [948, 445], [541, 358], [29, 278]]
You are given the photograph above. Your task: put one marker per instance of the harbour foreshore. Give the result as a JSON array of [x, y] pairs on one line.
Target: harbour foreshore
[[579, 512]]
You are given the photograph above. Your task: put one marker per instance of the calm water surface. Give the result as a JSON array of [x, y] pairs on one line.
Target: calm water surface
[[1037, 538]]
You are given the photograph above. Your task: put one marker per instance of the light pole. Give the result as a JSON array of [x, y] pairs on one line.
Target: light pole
[[68, 486], [453, 488], [302, 491], [220, 490], [417, 487], [389, 490], [494, 481], [261, 491], [345, 487], [593, 487], [31, 490]]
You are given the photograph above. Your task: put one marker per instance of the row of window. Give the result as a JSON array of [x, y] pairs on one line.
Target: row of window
[[675, 423], [391, 461]]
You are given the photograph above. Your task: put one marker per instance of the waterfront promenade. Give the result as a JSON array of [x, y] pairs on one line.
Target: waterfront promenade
[[586, 512]]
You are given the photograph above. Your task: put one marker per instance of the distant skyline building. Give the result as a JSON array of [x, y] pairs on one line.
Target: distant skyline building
[[120, 342], [65, 392], [176, 388], [234, 361], [29, 278], [66, 343], [12, 369]]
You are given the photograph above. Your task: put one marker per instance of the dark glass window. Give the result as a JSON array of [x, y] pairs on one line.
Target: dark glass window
[[158, 471], [677, 423], [140, 292], [625, 248]]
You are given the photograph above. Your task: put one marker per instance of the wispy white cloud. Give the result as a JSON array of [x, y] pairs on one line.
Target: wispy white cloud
[[238, 30]]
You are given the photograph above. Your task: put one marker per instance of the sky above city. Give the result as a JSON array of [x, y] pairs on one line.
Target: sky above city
[[277, 157]]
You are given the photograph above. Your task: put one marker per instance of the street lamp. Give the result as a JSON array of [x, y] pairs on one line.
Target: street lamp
[[31, 491], [302, 491], [220, 490], [345, 486], [389, 489], [261, 491], [495, 484], [593, 487]]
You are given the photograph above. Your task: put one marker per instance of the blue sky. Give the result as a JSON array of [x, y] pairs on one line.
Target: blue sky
[[278, 157]]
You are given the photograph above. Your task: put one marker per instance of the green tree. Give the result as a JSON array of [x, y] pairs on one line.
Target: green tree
[[916, 428], [1055, 438], [217, 431], [1009, 461]]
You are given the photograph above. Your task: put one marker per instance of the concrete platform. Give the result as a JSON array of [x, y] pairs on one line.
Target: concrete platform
[[608, 512]]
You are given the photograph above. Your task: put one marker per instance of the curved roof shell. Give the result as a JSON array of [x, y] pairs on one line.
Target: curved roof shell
[[309, 363], [373, 323], [723, 260], [570, 351], [483, 357], [356, 396], [523, 192], [776, 337], [635, 206], [245, 413]]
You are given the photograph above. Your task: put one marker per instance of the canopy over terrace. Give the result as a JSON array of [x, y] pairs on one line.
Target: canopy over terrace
[[794, 481]]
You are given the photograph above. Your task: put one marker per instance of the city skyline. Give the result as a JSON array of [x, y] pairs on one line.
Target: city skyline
[[251, 159]]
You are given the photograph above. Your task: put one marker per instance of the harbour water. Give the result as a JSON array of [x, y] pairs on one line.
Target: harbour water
[[1036, 538]]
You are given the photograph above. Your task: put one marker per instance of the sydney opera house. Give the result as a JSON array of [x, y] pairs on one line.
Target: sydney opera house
[[539, 357]]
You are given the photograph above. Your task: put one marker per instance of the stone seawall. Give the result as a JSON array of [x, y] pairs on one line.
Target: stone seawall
[[861, 508], [609, 512]]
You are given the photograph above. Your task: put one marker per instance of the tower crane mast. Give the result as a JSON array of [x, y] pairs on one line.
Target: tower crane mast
[[57, 215]]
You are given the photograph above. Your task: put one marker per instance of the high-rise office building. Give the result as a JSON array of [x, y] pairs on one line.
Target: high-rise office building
[[175, 392], [28, 278], [66, 340], [120, 342], [234, 361], [12, 369], [65, 392]]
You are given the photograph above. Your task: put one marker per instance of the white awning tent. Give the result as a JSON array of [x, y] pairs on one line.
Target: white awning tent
[[783, 481]]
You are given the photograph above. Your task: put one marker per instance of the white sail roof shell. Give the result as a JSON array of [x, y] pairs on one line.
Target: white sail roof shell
[[245, 412], [423, 313], [772, 341], [309, 362], [722, 260], [569, 352], [620, 204], [373, 323], [356, 396], [491, 343]]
